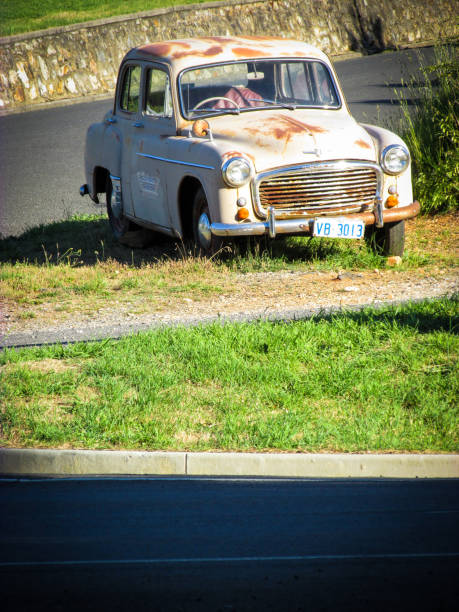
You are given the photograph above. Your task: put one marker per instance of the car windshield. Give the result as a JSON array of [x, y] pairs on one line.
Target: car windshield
[[241, 86]]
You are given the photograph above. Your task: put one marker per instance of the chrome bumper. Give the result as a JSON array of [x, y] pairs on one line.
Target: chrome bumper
[[302, 225]]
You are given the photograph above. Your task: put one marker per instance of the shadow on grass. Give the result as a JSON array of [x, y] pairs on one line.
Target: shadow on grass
[[427, 316], [86, 241]]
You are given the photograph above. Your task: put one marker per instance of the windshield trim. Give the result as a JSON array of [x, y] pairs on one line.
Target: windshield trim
[[223, 111]]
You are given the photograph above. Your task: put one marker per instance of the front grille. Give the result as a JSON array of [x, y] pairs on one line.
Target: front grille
[[350, 190]]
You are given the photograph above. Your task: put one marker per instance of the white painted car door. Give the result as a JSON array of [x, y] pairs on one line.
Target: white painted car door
[[148, 156]]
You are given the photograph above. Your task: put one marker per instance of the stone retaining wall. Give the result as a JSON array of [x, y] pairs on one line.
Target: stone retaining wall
[[83, 59]]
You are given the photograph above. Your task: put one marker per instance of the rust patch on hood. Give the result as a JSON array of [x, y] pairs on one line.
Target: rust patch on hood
[[301, 126], [362, 144], [281, 128]]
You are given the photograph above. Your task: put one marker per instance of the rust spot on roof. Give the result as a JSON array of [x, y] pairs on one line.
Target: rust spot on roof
[[363, 144], [210, 52], [164, 49], [247, 52]]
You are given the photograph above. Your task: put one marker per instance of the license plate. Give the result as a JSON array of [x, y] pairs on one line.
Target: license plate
[[338, 228]]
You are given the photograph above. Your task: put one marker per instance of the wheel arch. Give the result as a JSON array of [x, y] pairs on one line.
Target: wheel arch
[[186, 193], [100, 176]]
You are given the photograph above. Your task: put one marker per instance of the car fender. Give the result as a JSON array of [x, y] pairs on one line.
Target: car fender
[[93, 154], [382, 139]]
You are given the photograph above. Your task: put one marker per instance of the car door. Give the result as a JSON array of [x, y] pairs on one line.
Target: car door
[[148, 153], [119, 138]]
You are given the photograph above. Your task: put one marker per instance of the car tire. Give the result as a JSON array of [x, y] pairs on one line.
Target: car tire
[[206, 243], [119, 224], [388, 240]]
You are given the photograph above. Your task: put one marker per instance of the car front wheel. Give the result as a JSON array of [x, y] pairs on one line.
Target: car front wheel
[[387, 240], [207, 243]]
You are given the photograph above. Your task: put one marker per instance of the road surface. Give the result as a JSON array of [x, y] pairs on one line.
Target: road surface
[[229, 544]]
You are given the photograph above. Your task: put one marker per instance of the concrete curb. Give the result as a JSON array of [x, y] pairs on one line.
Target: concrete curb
[[83, 462]]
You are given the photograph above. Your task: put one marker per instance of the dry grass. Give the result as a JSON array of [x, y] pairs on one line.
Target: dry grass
[[42, 294]]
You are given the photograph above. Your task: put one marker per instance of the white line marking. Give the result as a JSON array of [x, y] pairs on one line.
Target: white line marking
[[184, 560]]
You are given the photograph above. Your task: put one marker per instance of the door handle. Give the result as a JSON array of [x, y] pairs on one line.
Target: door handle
[[137, 124]]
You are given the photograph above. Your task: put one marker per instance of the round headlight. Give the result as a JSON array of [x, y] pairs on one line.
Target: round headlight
[[236, 172], [395, 159]]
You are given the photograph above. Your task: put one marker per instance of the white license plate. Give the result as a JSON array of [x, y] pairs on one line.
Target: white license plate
[[338, 228]]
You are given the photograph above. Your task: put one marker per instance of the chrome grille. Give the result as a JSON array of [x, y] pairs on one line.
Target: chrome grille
[[350, 189]]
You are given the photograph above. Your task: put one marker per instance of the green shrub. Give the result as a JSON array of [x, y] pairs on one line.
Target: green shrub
[[431, 131]]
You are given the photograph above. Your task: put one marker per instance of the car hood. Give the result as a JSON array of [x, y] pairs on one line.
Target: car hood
[[284, 137]]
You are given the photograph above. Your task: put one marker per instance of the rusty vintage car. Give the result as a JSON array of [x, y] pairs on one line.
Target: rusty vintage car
[[217, 137]]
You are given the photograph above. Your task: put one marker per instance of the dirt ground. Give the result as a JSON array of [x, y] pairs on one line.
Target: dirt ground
[[267, 293]]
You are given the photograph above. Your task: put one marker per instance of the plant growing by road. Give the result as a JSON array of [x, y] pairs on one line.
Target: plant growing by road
[[431, 130]]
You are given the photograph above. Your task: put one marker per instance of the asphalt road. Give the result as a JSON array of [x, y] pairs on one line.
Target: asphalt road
[[229, 544], [41, 152]]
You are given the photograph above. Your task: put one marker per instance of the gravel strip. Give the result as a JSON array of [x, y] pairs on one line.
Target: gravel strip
[[269, 296]]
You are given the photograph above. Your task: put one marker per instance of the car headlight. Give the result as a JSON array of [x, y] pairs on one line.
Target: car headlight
[[237, 171], [395, 159]]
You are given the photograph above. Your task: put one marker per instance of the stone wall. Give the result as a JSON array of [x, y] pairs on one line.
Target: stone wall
[[83, 59]]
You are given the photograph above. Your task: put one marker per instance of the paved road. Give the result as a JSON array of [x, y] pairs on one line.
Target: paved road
[[41, 152], [229, 544]]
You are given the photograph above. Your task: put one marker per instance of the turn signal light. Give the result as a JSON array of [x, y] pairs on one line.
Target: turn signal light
[[242, 213], [200, 128], [392, 201]]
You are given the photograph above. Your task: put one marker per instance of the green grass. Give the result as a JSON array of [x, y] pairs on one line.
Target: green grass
[[56, 271], [18, 16], [370, 381], [431, 131]]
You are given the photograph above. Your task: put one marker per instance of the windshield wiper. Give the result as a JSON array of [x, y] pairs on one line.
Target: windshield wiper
[[231, 111], [283, 104]]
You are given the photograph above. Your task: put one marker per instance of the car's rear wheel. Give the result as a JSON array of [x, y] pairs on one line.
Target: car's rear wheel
[[387, 240], [206, 242], [119, 224]]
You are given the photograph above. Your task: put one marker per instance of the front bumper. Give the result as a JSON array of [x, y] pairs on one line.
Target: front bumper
[[304, 225]]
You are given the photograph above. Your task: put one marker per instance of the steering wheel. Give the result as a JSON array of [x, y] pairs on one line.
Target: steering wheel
[[215, 98]]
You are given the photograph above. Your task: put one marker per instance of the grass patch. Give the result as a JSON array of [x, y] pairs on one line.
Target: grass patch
[[18, 16], [431, 130], [370, 381], [54, 272]]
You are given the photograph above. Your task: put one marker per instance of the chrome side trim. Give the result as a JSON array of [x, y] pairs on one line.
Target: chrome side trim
[[334, 166], [175, 161]]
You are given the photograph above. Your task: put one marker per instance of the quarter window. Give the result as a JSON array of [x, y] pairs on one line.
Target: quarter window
[[130, 89]]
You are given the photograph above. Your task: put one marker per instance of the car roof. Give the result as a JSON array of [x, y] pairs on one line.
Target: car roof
[[190, 52]]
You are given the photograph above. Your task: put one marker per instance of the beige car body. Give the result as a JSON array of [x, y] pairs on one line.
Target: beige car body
[[157, 164]]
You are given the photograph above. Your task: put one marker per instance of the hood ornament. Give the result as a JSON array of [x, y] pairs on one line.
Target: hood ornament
[[317, 151]]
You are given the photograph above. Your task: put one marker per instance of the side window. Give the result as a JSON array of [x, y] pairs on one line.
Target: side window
[[158, 101], [130, 89]]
